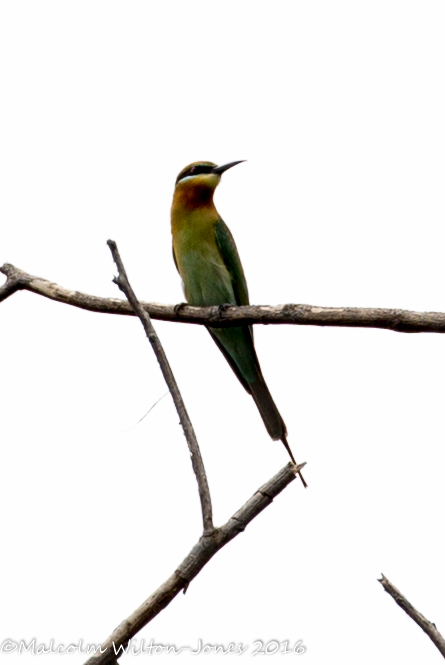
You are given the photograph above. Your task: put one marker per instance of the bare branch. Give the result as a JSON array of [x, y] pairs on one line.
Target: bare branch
[[189, 432], [428, 627], [399, 320], [194, 562]]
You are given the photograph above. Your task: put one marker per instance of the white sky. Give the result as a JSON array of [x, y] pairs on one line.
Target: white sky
[[339, 109]]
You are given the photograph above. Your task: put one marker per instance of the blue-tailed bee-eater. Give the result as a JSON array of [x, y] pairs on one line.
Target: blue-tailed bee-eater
[[207, 259]]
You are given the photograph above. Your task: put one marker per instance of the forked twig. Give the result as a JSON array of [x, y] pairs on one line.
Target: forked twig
[[213, 539], [194, 562]]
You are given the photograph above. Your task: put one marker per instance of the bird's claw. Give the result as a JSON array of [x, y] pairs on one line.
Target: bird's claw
[[222, 308], [177, 308]]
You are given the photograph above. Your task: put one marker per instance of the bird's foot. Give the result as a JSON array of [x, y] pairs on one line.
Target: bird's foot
[[177, 308], [222, 308]]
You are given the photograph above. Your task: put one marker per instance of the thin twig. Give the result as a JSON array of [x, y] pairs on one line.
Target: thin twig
[[428, 627], [197, 463], [398, 320], [194, 562], [149, 411]]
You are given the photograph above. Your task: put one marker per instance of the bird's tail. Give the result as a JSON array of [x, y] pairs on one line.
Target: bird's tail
[[236, 344], [286, 445], [271, 416], [268, 410]]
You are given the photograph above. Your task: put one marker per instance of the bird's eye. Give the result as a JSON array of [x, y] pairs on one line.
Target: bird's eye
[[192, 170]]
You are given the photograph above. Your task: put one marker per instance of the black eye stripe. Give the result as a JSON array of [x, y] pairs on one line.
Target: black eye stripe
[[195, 170]]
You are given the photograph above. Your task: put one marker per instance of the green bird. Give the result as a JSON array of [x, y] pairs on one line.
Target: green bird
[[208, 262]]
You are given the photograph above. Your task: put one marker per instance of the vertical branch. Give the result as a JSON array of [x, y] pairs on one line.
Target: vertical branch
[[197, 463]]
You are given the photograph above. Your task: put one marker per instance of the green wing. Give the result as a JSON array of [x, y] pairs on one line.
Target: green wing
[[174, 257], [229, 253], [236, 344]]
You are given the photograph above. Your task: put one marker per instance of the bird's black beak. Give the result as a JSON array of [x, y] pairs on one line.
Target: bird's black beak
[[220, 169]]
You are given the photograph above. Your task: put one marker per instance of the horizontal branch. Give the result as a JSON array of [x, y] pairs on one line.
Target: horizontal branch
[[428, 627], [194, 562], [399, 320]]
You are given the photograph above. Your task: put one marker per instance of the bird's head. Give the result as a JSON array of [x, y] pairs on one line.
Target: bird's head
[[197, 182]]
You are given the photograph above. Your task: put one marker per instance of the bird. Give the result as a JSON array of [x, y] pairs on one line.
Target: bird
[[207, 259]]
